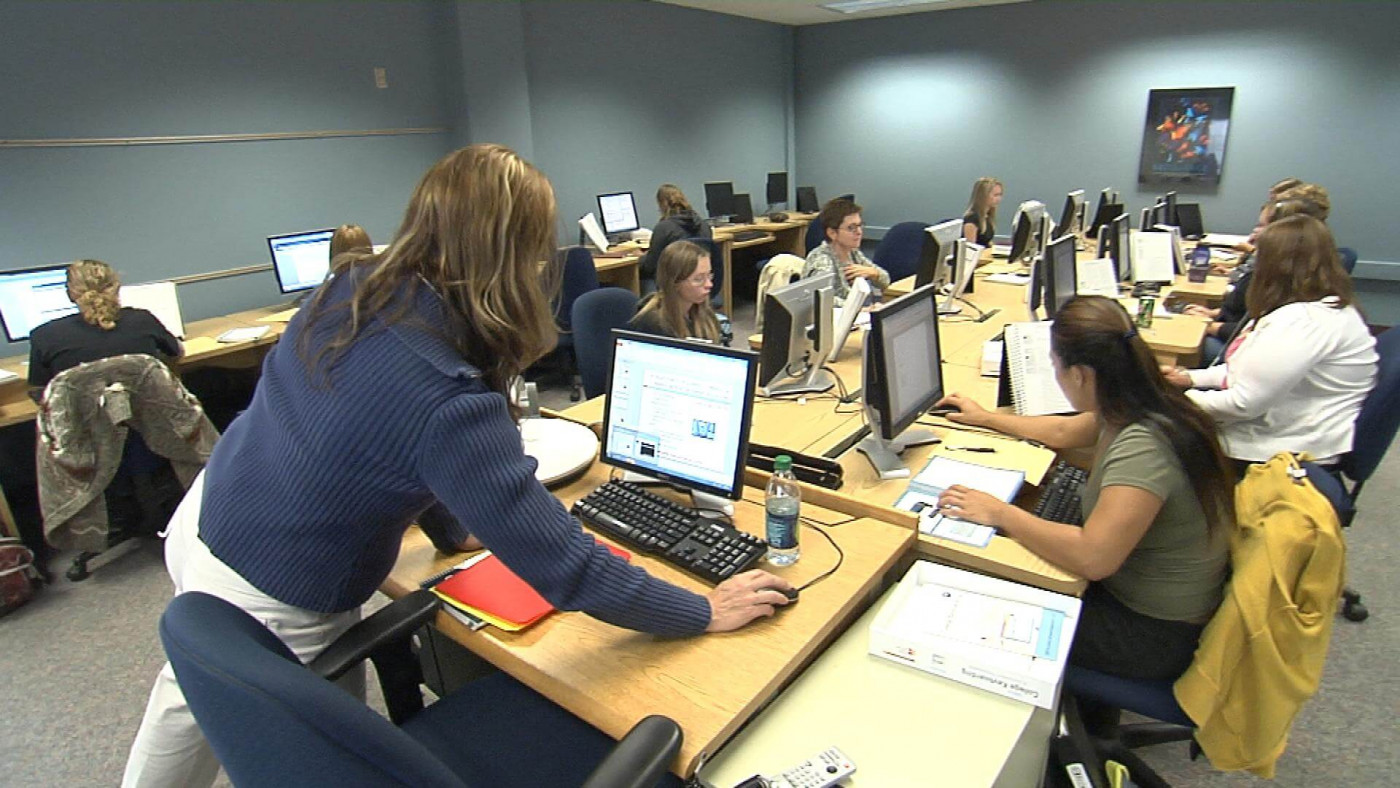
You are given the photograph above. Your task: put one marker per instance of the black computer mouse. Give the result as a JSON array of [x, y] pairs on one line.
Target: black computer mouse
[[790, 593], [942, 411]]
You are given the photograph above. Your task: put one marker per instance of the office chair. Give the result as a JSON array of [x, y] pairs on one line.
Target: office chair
[[1347, 257], [579, 276], [898, 252], [816, 234], [1153, 699], [711, 247], [1376, 426], [595, 315], [273, 721]]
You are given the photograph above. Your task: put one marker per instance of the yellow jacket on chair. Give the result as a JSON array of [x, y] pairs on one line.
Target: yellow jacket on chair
[[1261, 654]]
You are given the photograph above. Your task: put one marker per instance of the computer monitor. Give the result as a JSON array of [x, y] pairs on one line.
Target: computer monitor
[[903, 378], [1025, 231], [937, 249], [846, 317], [1061, 275], [1169, 216], [807, 199], [679, 411], [797, 337], [1188, 218], [1104, 216], [743, 209], [302, 260], [962, 263], [777, 188], [719, 199], [619, 212], [30, 297], [1122, 248], [1071, 215], [1145, 221]]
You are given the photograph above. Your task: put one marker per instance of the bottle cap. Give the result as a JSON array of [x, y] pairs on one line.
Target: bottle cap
[[782, 463]]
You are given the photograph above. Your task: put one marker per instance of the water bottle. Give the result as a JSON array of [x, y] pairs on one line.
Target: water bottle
[[782, 502]]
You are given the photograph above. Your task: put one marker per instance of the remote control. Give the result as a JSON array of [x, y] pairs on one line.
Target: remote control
[[827, 768]]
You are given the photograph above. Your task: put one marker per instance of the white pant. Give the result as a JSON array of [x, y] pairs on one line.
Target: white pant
[[169, 749]]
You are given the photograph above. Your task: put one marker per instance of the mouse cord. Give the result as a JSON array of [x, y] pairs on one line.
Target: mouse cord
[[840, 554]]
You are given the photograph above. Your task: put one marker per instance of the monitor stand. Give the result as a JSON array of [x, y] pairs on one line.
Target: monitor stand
[[703, 501], [817, 380], [884, 455]]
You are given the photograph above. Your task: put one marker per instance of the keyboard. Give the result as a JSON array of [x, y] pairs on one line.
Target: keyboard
[[1061, 502], [749, 235], [712, 551]]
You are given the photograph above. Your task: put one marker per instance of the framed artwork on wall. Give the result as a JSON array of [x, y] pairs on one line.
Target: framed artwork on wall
[[1183, 139]]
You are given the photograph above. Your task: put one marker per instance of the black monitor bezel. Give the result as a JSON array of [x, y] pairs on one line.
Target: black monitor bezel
[[877, 397], [277, 272], [746, 421], [710, 202], [804, 206], [31, 270], [776, 187], [635, 217], [1050, 264], [1198, 222], [744, 201], [1122, 252]]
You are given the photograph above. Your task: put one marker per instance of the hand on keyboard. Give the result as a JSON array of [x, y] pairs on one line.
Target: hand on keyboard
[[745, 597], [976, 506]]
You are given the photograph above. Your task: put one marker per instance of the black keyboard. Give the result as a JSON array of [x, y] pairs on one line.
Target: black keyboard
[[1061, 500], [749, 235], [710, 550]]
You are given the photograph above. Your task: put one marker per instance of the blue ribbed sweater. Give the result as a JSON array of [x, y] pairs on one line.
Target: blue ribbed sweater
[[309, 491]]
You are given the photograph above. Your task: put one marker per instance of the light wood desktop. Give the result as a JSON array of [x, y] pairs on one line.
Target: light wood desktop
[[711, 684], [786, 237], [943, 732]]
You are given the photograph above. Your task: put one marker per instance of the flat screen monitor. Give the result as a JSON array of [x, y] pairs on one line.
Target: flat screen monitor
[[1070, 214], [903, 377], [1169, 216], [743, 209], [962, 264], [1145, 221], [1060, 275], [807, 199], [1188, 218], [301, 261], [1104, 215], [619, 212], [937, 249], [679, 411], [30, 297], [777, 188], [1122, 247], [797, 337], [1025, 231], [719, 199], [1105, 198]]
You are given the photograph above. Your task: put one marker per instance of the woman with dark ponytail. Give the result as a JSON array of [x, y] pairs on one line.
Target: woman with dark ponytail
[[1158, 506]]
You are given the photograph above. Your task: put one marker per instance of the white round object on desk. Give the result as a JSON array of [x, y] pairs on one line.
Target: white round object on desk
[[563, 448]]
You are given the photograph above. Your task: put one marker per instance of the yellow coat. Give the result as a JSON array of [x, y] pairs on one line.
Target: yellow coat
[[1261, 655]]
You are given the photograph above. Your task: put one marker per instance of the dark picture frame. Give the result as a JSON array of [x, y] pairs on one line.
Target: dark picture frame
[[1184, 136]]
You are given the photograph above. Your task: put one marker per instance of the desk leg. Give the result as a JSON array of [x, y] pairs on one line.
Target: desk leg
[[8, 526], [634, 279], [726, 288]]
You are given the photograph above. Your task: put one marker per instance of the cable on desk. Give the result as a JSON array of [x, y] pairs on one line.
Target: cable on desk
[[946, 423], [840, 554]]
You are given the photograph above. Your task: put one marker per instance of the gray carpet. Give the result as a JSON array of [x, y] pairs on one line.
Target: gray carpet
[[79, 660]]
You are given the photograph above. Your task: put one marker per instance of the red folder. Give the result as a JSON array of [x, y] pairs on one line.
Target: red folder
[[490, 586]]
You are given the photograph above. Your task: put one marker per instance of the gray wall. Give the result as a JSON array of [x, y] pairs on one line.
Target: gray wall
[[1051, 96]]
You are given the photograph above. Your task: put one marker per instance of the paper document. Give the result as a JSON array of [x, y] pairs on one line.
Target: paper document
[[1223, 239], [1008, 625], [243, 334], [196, 345], [1154, 259], [1010, 279], [595, 233], [943, 472], [1097, 277], [6, 376], [159, 299]]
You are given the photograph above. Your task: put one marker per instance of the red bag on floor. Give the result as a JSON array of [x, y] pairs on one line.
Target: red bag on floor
[[17, 574]]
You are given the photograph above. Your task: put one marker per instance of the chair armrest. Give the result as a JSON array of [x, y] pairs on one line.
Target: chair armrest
[[391, 624], [641, 758]]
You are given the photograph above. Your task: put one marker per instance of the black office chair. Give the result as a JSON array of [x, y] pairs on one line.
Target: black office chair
[[596, 314], [816, 234], [273, 721], [899, 251]]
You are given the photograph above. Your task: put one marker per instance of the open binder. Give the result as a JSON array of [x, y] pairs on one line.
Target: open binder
[[1027, 374]]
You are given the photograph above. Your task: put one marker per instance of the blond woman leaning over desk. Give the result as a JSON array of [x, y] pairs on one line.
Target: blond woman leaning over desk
[[1154, 541]]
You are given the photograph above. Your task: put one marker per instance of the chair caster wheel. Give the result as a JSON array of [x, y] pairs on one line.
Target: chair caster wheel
[[1355, 611], [78, 572]]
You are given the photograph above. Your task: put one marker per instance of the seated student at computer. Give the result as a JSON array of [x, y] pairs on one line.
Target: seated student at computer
[[1297, 377], [980, 221], [840, 253], [386, 394], [1275, 194], [678, 222], [680, 307], [1155, 539], [102, 328], [349, 238]]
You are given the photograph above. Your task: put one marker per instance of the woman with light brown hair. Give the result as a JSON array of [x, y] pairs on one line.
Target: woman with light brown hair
[[350, 238], [386, 397], [678, 222], [101, 328], [980, 220], [680, 307]]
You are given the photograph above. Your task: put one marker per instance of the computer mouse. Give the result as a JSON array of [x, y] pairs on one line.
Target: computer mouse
[[943, 411], [790, 593]]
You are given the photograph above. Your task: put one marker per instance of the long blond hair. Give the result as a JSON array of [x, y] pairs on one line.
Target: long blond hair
[[94, 287], [980, 203], [679, 261], [477, 232]]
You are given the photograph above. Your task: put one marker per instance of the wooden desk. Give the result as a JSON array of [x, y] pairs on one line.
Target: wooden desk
[[710, 685], [787, 237], [962, 735], [624, 271]]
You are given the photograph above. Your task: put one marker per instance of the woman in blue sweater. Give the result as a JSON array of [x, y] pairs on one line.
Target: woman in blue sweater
[[385, 397]]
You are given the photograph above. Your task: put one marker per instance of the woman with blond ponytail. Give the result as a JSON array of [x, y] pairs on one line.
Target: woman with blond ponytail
[[101, 328]]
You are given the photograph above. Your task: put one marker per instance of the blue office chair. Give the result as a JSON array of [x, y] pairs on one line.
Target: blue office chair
[[711, 247], [898, 252], [1347, 256], [1152, 699], [816, 234], [273, 721], [579, 276], [1376, 426], [596, 314]]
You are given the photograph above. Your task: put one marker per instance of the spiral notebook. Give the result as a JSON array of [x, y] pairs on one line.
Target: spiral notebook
[[1027, 374]]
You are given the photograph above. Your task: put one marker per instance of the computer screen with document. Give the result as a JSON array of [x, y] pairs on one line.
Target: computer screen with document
[[619, 212], [301, 261], [30, 297]]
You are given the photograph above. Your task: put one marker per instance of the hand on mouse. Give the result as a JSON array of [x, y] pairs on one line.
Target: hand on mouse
[[745, 597], [968, 412]]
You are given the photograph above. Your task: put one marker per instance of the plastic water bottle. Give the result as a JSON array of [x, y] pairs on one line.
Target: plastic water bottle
[[782, 502]]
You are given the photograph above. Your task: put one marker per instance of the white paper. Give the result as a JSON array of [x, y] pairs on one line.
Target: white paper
[[942, 473], [590, 225], [1152, 257], [1096, 277], [243, 334], [1038, 393], [1223, 239], [1010, 279], [6, 376], [159, 299], [948, 612]]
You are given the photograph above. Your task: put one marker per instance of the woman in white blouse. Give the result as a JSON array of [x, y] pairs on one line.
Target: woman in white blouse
[[1297, 377]]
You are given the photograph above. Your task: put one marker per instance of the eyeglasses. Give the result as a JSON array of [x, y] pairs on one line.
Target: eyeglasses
[[701, 279], [853, 228]]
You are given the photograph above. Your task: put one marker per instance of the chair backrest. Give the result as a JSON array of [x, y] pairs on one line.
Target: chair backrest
[[1379, 419], [816, 234], [1348, 258], [580, 275], [270, 719], [596, 314], [898, 252]]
